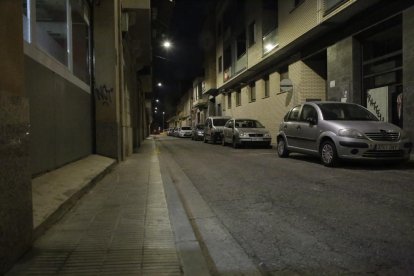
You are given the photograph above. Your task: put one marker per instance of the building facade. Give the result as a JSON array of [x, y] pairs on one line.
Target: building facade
[[276, 54], [75, 81]]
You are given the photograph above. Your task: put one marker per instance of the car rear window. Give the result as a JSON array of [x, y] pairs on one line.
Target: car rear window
[[186, 128]]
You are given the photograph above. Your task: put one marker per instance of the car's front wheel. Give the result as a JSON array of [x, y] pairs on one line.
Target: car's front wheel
[[329, 156], [282, 150]]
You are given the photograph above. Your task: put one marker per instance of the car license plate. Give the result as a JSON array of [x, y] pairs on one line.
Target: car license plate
[[256, 139], [387, 147]]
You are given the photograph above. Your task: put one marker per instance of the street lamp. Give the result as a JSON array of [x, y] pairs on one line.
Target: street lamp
[[166, 44], [159, 84]]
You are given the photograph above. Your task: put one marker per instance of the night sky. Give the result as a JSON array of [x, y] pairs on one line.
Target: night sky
[[177, 67]]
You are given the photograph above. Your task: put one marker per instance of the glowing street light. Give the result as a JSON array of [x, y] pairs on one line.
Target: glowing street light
[[157, 100], [166, 44], [159, 84]]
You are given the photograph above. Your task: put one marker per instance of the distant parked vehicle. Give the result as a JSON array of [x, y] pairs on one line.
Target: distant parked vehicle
[[213, 128], [198, 132], [170, 131], [175, 132], [335, 130], [184, 132], [239, 132]]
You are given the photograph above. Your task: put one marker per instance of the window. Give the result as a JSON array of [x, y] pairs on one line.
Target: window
[[241, 44], [266, 86], [308, 112], [219, 111], [252, 33], [330, 5], [270, 16], [62, 30], [294, 114], [51, 29], [269, 25], [220, 64], [252, 92], [229, 100], [80, 40], [238, 97], [227, 72]]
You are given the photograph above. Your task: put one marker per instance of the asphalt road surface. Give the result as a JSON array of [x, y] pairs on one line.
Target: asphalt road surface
[[295, 216]]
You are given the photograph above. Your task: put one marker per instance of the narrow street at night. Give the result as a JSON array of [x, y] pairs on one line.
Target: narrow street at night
[[294, 215]]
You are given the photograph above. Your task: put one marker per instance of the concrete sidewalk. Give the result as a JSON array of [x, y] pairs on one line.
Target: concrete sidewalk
[[121, 226]]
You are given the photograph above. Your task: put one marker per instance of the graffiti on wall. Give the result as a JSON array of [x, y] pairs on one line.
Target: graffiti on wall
[[104, 94]]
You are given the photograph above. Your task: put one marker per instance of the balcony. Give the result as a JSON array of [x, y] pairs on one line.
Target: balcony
[[200, 103]]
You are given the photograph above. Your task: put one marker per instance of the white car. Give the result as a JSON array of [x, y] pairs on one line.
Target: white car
[[185, 132]]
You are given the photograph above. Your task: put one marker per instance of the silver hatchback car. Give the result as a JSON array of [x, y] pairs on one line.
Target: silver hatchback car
[[335, 130], [239, 132]]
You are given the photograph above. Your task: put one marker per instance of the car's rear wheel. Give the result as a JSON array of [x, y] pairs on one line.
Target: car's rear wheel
[[282, 150], [329, 156]]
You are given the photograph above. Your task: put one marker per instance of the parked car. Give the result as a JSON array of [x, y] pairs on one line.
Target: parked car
[[170, 131], [198, 132], [335, 130], [213, 128], [184, 131], [239, 132], [176, 131]]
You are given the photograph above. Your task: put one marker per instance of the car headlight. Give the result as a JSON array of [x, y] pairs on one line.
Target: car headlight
[[199, 132], [242, 134], [266, 135], [351, 133]]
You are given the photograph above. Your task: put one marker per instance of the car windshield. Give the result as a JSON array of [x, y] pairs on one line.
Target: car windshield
[[346, 112], [186, 128], [220, 122], [248, 124]]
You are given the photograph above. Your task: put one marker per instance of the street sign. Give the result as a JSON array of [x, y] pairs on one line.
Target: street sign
[[286, 85]]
